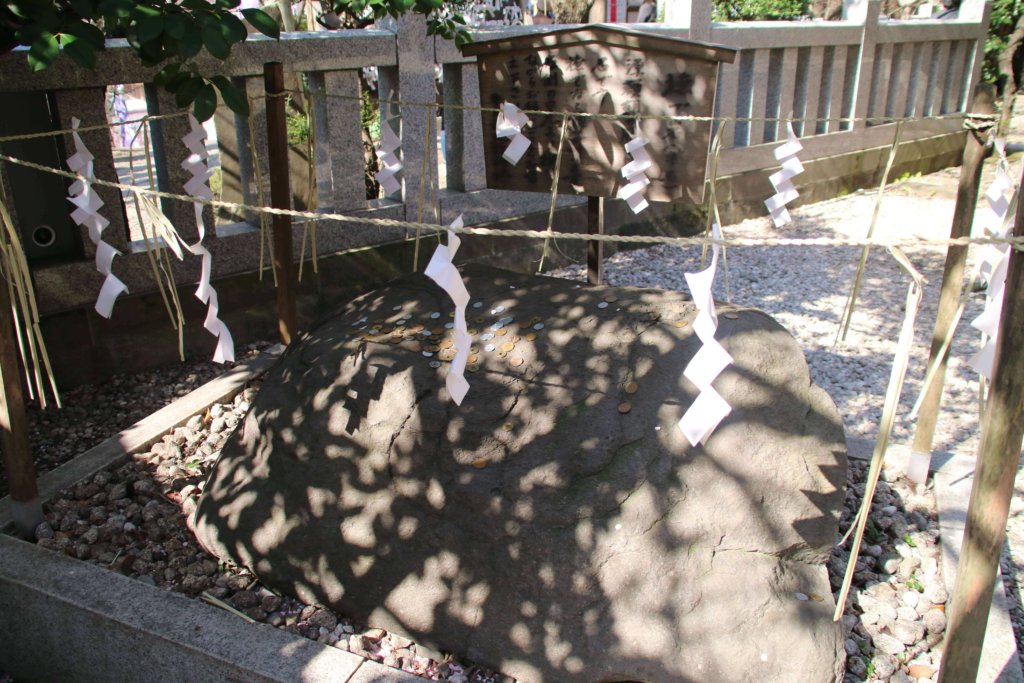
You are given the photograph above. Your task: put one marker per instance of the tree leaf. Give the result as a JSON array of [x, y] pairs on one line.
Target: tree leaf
[[186, 93], [43, 51], [78, 50], [262, 22], [214, 41], [190, 44], [233, 96], [177, 25], [149, 28], [233, 29], [90, 33], [205, 103]]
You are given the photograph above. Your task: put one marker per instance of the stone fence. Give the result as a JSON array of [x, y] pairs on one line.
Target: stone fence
[[830, 78]]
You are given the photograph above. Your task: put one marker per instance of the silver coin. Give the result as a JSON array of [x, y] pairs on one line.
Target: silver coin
[[478, 304], [435, 315], [486, 336], [603, 304], [497, 326], [425, 333], [449, 326], [435, 363], [497, 309], [396, 308], [489, 348], [506, 320], [428, 354], [539, 326]]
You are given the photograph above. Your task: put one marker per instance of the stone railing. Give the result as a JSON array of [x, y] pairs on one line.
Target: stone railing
[[832, 76]]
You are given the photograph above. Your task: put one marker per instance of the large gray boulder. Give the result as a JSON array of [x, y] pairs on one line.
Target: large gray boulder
[[557, 526]]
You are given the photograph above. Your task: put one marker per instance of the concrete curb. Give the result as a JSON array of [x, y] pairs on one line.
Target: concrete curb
[[953, 478], [66, 620]]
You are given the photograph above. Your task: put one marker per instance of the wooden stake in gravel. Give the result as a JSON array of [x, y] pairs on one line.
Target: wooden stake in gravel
[[280, 198], [21, 474], [1002, 431], [952, 284]]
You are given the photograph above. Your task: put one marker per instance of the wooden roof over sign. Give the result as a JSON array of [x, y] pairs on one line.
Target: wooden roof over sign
[[604, 34]]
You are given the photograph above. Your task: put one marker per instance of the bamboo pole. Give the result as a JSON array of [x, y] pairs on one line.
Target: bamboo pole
[[280, 198], [998, 457], [21, 473], [952, 284]]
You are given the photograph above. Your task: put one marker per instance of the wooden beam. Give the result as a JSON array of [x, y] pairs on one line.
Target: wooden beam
[[952, 284], [280, 198], [21, 471], [595, 248], [998, 458]]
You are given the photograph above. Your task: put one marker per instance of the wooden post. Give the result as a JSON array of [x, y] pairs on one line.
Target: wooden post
[[280, 198], [1002, 430], [952, 283], [21, 473], [595, 249]]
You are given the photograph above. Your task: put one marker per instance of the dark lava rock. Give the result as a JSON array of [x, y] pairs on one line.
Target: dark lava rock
[[544, 528]]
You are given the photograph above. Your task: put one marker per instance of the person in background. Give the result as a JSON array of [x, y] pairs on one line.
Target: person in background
[[648, 12]]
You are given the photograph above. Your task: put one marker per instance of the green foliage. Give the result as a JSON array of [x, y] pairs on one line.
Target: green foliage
[[759, 10], [172, 34], [1005, 14], [297, 123]]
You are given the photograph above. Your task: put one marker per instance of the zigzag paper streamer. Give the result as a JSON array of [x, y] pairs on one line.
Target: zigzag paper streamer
[[510, 125], [198, 186], [995, 259], [635, 173], [709, 408], [442, 271], [86, 214], [782, 179], [389, 144]]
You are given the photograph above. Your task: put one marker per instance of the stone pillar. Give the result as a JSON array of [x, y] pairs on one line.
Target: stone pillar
[[235, 158], [339, 154], [866, 66], [699, 19], [88, 105], [416, 84], [464, 149]]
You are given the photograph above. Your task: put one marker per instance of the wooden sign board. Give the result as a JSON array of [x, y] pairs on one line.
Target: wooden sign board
[[600, 70]]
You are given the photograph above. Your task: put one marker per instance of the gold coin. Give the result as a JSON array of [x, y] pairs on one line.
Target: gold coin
[[416, 347], [508, 427], [611, 298], [631, 387], [534, 320], [447, 355], [452, 314], [530, 337], [474, 349], [447, 344], [731, 316], [516, 361], [473, 368], [625, 408], [654, 315], [479, 319], [816, 597], [507, 346], [502, 332], [516, 339], [502, 354], [479, 463], [474, 358], [681, 323], [437, 332], [472, 331], [417, 327], [433, 348]]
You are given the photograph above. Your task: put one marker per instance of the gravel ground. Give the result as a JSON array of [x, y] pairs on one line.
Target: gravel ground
[[134, 519]]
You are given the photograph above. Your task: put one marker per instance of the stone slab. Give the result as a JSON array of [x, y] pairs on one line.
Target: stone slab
[[65, 620]]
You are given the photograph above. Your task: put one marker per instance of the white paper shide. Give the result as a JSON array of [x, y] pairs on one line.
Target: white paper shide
[[782, 180], [199, 186], [86, 213], [995, 258], [709, 408], [389, 161], [442, 271], [510, 125], [635, 173]]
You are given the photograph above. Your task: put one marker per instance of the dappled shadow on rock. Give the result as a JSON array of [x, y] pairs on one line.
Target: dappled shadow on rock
[[556, 526]]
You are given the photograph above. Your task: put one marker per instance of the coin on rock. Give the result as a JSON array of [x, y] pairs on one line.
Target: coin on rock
[[625, 408], [531, 337], [473, 368], [631, 387], [731, 316], [507, 346], [479, 463], [516, 361]]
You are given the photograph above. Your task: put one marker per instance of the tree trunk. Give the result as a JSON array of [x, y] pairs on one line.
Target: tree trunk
[[570, 11], [1006, 69]]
